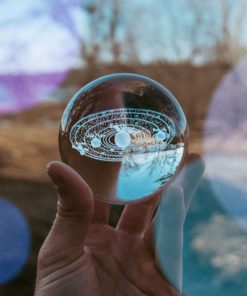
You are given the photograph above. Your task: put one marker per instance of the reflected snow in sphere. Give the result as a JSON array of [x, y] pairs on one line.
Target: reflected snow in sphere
[[126, 135]]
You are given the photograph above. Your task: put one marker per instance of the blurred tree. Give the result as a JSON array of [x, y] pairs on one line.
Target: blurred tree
[[228, 46], [105, 19], [217, 30], [206, 31]]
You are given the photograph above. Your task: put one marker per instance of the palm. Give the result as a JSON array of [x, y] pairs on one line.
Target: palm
[[116, 261], [123, 263]]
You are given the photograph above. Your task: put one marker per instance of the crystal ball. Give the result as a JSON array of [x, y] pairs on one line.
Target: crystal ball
[[126, 135]]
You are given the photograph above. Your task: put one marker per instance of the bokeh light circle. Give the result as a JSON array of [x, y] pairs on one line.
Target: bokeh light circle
[[14, 241], [225, 142], [39, 45]]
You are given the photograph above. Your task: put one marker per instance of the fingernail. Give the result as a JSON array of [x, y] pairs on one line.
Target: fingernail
[[56, 178]]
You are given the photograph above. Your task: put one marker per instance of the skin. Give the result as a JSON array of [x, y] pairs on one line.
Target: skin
[[83, 255]]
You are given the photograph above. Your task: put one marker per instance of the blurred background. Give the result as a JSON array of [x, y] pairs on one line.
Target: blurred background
[[49, 49]]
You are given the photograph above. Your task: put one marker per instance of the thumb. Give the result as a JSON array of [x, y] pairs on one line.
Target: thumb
[[169, 241], [74, 208]]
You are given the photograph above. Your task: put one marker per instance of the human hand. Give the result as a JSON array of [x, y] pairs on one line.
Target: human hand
[[83, 255]]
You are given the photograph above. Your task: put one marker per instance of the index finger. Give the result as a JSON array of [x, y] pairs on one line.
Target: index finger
[[190, 176], [188, 180]]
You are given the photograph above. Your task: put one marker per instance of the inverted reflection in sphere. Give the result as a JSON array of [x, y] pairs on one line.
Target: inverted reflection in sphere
[[126, 135]]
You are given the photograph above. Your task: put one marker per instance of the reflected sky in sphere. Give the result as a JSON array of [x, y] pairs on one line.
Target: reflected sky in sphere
[[126, 135], [32, 62], [14, 241]]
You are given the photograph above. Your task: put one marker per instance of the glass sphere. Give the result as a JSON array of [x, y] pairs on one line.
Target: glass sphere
[[126, 135]]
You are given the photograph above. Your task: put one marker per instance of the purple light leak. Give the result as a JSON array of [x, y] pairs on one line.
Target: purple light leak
[[228, 108], [225, 143], [21, 91], [45, 53]]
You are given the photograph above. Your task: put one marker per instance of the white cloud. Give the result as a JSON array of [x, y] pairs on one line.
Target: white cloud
[[33, 41], [223, 244]]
